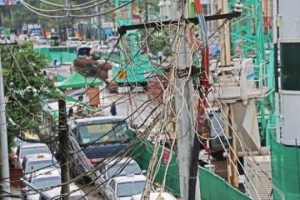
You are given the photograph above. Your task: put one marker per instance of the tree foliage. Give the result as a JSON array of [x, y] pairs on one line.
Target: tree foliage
[[24, 85]]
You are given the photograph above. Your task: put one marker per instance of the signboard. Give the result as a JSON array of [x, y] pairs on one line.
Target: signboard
[[166, 156], [9, 2]]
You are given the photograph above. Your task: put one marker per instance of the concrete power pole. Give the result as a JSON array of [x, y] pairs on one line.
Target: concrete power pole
[[184, 106], [4, 145]]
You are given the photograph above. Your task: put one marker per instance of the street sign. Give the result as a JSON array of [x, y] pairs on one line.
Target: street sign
[[9, 2]]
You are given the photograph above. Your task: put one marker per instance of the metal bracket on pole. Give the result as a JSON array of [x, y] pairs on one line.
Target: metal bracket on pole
[[122, 29]]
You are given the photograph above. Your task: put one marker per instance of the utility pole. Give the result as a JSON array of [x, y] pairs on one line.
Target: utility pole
[[225, 62], [67, 19], [4, 145], [146, 11], [184, 106], [63, 148]]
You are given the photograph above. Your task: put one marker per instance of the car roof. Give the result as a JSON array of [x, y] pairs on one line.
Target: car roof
[[119, 160], [31, 145], [74, 191], [39, 156], [45, 173], [129, 178], [103, 118], [154, 195]]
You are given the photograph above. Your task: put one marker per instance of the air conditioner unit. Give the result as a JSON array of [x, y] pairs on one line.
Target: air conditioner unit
[[258, 169]]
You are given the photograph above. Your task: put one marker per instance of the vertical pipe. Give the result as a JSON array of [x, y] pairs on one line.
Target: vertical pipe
[[4, 145], [276, 67]]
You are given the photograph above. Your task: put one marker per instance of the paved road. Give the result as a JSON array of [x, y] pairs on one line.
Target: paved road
[[133, 105], [126, 103]]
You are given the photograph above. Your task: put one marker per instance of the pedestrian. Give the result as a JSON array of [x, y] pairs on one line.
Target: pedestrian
[[55, 63], [113, 109], [160, 56]]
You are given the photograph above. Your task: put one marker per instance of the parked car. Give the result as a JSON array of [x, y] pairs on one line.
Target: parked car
[[29, 148], [41, 180], [124, 187], [92, 44], [73, 41], [75, 193], [50, 181], [103, 48], [119, 167], [41, 40], [34, 162], [155, 196], [23, 38]]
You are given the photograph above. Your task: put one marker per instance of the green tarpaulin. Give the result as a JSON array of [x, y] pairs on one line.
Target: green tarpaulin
[[76, 80]]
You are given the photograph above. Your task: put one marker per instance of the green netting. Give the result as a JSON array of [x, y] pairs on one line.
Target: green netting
[[212, 187], [61, 54], [285, 170]]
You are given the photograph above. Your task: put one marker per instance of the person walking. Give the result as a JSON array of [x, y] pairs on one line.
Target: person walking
[[113, 109], [160, 56]]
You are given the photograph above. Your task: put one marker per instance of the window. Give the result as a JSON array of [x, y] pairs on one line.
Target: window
[[106, 132], [130, 188], [42, 183], [37, 165], [34, 150], [112, 185], [123, 169]]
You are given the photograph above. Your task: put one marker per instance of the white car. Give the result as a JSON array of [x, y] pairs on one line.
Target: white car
[[34, 162], [48, 183], [73, 41], [75, 193], [155, 196], [124, 187], [92, 44], [120, 167], [43, 179], [23, 38], [41, 40], [29, 148]]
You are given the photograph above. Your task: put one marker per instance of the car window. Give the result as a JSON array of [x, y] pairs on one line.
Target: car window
[[123, 169], [46, 182], [97, 133], [112, 185], [37, 165], [130, 188], [77, 197], [34, 150], [18, 151], [73, 39]]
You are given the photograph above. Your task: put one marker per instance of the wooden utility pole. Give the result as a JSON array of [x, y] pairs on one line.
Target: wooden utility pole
[[225, 36], [184, 105], [63, 148], [225, 62]]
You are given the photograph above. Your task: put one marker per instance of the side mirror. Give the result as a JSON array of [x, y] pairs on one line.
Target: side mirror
[[144, 171]]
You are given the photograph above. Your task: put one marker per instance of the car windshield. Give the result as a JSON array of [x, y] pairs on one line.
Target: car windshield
[[39, 164], [73, 39], [46, 182], [99, 133], [34, 150], [121, 170], [77, 197], [130, 188]]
